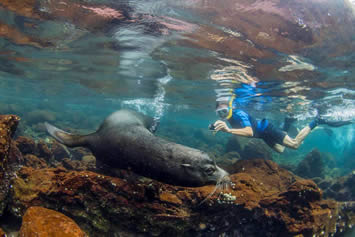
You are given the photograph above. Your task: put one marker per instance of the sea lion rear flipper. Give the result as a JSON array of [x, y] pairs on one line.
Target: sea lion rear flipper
[[65, 138]]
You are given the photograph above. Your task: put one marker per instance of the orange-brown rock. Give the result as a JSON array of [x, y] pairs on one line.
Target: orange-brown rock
[[43, 150], [43, 222], [2, 233], [34, 162], [261, 198], [77, 165], [28, 146], [8, 125]]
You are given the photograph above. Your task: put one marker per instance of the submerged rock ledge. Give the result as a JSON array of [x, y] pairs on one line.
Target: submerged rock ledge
[[262, 200]]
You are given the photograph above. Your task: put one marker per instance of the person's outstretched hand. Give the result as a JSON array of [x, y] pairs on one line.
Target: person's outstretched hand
[[221, 126]]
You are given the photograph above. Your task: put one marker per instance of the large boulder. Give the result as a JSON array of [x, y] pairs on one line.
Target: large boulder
[[43, 222]]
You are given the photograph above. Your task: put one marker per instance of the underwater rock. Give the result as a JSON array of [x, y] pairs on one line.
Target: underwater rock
[[227, 161], [311, 166], [43, 222], [59, 151], [262, 198], [39, 128], [43, 150], [256, 149], [8, 125], [340, 189], [349, 161], [233, 144], [38, 116], [89, 161], [34, 162], [328, 160], [79, 152], [26, 145], [88, 164]]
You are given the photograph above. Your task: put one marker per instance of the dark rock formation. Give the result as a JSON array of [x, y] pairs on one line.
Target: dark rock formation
[[256, 149], [29, 146], [233, 145], [340, 189], [312, 166], [59, 151], [43, 222], [26, 145]]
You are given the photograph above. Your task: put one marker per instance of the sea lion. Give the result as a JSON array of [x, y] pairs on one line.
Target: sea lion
[[124, 141]]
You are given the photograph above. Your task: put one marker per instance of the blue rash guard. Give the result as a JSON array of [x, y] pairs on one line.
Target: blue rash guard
[[241, 119], [261, 128]]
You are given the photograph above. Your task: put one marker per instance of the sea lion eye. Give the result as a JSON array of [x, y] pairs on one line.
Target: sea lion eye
[[210, 170]]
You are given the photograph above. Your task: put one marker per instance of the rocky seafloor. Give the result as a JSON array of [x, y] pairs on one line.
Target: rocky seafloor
[[48, 190]]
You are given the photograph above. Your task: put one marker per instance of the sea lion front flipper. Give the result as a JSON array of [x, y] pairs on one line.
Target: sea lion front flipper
[[64, 137]]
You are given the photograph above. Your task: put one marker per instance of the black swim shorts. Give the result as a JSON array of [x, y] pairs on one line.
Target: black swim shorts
[[272, 135]]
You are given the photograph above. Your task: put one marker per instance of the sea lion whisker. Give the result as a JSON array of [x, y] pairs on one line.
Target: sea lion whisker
[[209, 195], [222, 184]]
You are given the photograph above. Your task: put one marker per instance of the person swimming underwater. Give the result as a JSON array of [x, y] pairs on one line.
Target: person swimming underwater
[[245, 125]]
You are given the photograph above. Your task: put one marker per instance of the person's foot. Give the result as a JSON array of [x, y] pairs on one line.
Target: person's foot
[[316, 121]]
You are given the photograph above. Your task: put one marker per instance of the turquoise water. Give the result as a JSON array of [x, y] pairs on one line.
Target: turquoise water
[[78, 61]]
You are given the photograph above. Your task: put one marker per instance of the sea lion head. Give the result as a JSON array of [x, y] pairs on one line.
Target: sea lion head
[[204, 171]]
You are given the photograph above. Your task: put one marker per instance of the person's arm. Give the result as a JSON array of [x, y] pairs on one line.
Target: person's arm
[[222, 126]]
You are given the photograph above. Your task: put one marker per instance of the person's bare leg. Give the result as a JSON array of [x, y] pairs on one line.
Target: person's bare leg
[[279, 148], [296, 142]]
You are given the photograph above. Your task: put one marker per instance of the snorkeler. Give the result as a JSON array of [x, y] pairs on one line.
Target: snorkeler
[[245, 125]]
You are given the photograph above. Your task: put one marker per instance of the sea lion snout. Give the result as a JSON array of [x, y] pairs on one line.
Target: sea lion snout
[[215, 175], [203, 172]]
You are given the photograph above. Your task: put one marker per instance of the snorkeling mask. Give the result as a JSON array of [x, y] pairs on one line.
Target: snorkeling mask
[[223, 112]]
